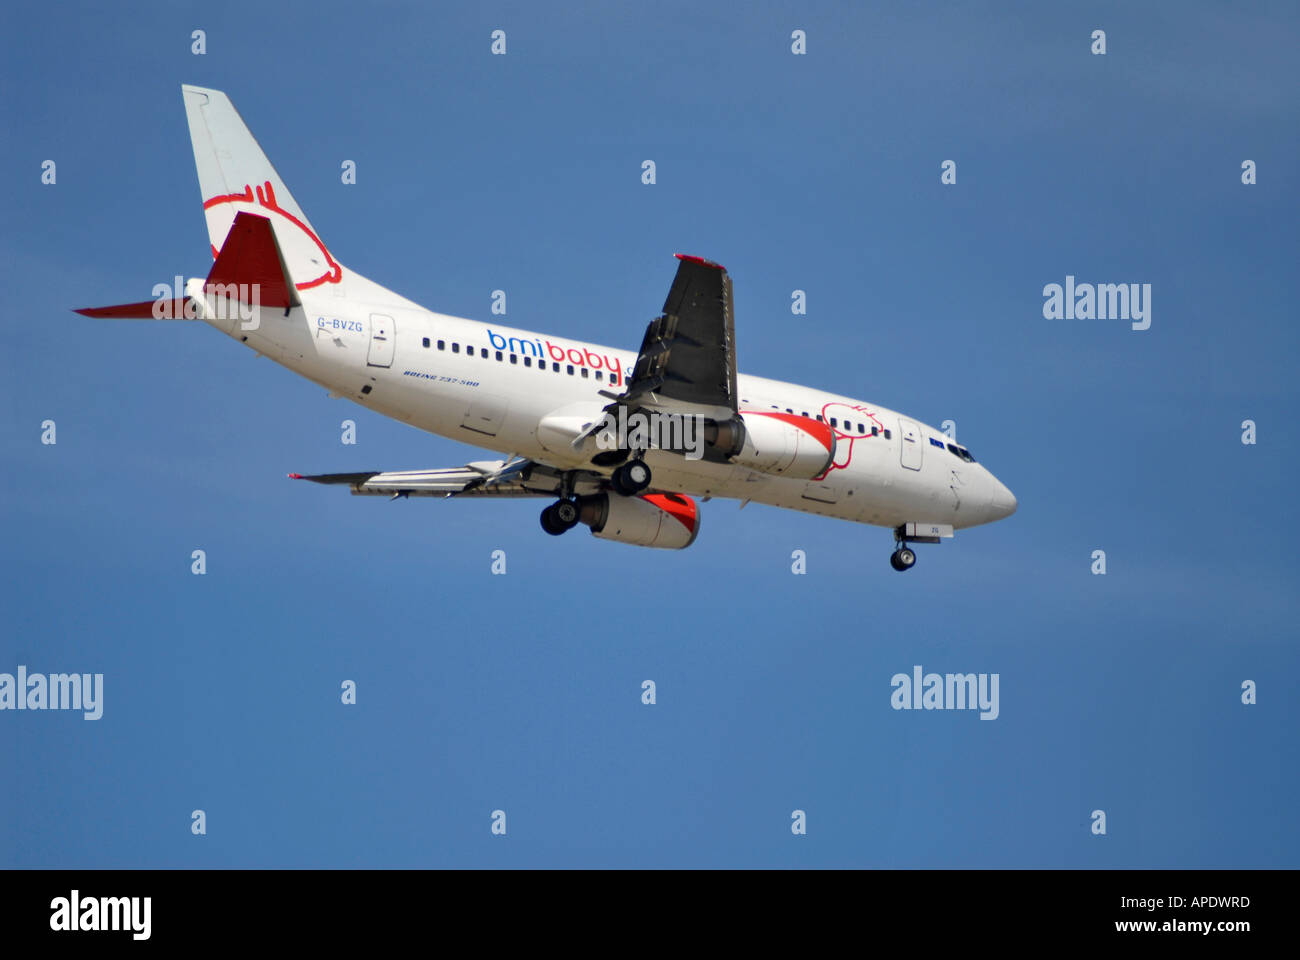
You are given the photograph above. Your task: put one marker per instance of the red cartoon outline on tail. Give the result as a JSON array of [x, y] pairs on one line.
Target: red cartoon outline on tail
[[265, 199]]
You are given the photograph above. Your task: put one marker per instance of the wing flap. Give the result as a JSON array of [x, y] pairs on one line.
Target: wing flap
[[517, 478]]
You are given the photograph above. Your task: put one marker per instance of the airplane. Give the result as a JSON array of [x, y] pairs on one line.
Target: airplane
[[557, 409]]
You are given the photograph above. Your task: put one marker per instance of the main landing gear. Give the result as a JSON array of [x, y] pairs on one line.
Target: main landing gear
[[563, 515], [560, 516], [631, 478]]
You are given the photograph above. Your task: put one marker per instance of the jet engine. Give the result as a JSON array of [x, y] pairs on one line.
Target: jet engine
[[780, 444], [667, 520]]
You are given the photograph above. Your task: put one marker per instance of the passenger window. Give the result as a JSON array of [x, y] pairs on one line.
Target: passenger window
[[570, 369], [442, 344], [455, 348], [426, 341], [528, 361], [888, 435], [514, 358], [500, 356], [833, 423], [599, 376], [584, 373]]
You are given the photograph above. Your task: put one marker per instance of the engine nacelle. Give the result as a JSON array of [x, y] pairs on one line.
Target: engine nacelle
[[780, 444], [667, 520]]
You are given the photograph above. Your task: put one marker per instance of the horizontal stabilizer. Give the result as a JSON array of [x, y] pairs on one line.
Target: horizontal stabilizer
[[250, 266], [148, 310]]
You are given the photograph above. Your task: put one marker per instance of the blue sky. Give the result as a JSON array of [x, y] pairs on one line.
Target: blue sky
[[522, 692]]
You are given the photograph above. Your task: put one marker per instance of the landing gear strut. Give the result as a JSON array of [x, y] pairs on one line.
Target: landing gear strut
[[560, 516], [904, 557], [631, 478]]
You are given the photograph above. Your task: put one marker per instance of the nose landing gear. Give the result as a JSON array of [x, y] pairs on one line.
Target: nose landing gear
[[904, 558]]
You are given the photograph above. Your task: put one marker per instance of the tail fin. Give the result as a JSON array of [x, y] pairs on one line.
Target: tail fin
[[236, 177]]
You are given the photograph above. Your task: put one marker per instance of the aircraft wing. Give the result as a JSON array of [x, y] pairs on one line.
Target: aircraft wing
[[515, 478], [688, 354]]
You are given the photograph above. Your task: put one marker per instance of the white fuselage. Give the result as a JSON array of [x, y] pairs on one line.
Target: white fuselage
[[491, 385]]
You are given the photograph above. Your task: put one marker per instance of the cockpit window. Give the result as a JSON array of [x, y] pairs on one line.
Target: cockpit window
[[961, 452]]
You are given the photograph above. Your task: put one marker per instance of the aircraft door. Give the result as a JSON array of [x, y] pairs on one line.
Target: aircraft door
[[383, 338], [910, 442]]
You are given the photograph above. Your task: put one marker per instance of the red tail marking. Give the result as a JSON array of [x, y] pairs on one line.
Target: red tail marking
[[265, 197], [249, 256]]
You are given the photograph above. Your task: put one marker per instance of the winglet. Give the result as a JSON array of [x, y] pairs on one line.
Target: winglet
[[700, 260]]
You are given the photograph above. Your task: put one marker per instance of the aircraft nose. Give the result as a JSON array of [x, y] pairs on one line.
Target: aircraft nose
[[1003, 502]]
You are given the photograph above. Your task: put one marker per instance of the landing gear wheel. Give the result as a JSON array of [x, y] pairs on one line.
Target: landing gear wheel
[[566, 511], [631, 478], [560, 516], [904, 558]]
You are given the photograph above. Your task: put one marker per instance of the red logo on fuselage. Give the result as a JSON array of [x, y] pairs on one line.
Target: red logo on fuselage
[[844, 414]]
